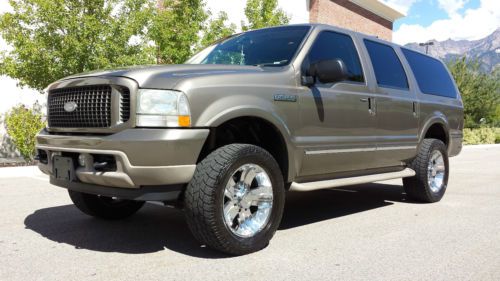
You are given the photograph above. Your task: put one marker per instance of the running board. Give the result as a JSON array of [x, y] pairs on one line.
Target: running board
[[327, 184]]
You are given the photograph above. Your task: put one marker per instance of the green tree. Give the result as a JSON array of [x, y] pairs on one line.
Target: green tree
[[51, 39], [176, 29], [480, 92], [264, 13], [22, 125], [217, 29]]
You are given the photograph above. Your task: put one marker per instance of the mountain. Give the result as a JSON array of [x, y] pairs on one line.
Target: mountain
[[486, 50]]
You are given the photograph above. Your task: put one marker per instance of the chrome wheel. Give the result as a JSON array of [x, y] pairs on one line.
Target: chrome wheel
[[436, 171], [248, 200]]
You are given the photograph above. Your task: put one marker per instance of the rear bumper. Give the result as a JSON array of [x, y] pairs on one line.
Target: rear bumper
[[144, 157], [455, 146]]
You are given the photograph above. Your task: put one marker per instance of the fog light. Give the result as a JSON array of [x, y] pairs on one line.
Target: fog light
[[81, 160]]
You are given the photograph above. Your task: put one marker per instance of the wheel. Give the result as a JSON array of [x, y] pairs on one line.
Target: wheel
[[432, 169], [235, 201], [104, 207]]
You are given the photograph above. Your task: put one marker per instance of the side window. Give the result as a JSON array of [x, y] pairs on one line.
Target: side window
[[431, 75], [388, 68], [332, 45]]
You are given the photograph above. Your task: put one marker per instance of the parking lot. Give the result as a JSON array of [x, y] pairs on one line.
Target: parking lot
[[365, 232]]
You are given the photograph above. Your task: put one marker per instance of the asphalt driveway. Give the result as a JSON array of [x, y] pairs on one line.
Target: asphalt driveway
[[365, 232]]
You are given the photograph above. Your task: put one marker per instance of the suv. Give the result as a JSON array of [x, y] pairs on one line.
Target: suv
[[224, 136]]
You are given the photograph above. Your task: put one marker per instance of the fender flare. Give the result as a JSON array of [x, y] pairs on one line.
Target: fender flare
[[437, 118], [268, 116]]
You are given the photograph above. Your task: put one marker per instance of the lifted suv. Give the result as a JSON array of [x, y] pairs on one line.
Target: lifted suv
[[297, 108]]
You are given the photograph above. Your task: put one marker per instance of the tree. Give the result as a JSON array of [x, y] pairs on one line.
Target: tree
[[176, 29], [264, 13], [22, 126], [480, 92], [217, 29], [51, 39]]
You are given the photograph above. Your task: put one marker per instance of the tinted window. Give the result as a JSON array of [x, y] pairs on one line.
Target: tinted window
[[332, 45], [432, 77], [265, 47], [388, 68]]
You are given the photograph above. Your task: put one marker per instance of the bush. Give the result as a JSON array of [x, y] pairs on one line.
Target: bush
[[22, 125], [481, 136]]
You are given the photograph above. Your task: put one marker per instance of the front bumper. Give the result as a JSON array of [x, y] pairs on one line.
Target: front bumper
[[144, 157]]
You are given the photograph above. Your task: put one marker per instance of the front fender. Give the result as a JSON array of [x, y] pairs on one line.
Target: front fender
[[231, 107]]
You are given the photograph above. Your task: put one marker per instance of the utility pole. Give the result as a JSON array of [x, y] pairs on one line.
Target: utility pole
[[430, 43]]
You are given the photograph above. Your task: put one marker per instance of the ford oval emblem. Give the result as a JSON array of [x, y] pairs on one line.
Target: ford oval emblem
[[70, 106]]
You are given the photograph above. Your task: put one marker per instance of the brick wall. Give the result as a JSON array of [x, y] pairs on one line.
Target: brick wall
[[343, 13]]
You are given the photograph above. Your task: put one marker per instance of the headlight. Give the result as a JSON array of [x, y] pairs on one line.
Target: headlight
[[162, 108]]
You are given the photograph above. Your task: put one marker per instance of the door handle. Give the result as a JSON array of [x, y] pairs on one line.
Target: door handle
[[371, 106]]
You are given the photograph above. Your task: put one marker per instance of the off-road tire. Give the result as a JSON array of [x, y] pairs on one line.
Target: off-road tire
[[417, 187], [205, 194], [104, 207]]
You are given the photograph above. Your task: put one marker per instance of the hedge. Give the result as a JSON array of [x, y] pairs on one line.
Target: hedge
[[482, 136]]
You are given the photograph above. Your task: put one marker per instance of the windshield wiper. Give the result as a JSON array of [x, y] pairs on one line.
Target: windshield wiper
[[276, 63]]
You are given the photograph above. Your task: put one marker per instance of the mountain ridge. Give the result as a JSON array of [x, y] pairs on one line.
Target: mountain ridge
[[485, 50]]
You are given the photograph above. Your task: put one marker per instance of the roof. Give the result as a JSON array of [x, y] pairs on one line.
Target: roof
[[380, 9]]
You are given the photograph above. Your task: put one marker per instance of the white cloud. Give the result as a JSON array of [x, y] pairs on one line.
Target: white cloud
[[472, 25], [400, 5], [452, 6]]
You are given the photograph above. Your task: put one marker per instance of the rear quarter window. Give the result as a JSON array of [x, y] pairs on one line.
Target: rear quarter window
[[431, 75]]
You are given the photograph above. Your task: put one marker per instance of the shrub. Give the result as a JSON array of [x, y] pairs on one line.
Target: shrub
[[22, 125], [497, 135], [481, 135]]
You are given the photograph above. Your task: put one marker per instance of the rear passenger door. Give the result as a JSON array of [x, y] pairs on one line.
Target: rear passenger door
[[396, 106]]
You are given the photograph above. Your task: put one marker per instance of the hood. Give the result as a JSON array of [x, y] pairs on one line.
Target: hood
[[168, 76]]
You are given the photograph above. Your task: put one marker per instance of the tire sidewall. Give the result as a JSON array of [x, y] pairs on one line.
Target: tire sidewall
[[266, 162]]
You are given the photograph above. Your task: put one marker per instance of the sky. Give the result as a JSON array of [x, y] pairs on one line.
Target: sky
[[445, 19], [425, 20]]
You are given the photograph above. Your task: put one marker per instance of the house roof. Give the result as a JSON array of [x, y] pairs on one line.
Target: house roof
[[380, 9]]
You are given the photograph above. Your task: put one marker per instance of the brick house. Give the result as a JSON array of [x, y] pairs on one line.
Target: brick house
[[366, 16]]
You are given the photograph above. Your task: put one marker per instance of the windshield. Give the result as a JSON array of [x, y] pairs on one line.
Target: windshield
[[265, 47]]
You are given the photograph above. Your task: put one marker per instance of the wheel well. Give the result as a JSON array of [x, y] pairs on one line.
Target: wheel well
[[249, 130], [437, 131]]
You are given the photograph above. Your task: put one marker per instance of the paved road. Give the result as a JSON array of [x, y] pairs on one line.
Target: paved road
[[366, 232]]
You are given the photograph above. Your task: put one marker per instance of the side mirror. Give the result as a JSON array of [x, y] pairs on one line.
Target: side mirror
[[329, 71]]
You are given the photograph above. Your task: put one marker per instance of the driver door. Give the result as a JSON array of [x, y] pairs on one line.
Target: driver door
[[338, 120]]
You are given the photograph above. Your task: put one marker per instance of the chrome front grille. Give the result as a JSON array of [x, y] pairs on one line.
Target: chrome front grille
[[93, 107]]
